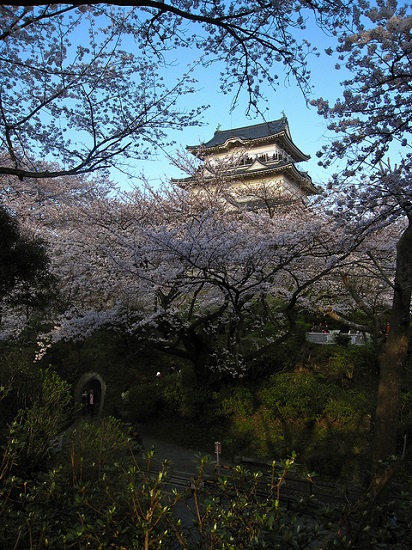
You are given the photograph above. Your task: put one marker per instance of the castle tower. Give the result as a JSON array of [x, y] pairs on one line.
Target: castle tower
[[251, 165]]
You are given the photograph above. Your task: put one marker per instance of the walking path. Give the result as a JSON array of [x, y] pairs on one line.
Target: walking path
[[183, 460]]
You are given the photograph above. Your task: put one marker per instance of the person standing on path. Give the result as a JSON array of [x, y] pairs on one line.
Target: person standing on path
[[92, 402]]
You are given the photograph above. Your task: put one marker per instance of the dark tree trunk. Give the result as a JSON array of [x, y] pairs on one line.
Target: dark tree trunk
[[391, 361]]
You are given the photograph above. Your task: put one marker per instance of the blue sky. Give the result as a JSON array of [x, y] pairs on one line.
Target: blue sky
[[308, 129]]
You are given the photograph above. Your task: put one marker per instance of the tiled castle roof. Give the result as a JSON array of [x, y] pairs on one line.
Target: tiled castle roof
[[249, 136], [246, 133]]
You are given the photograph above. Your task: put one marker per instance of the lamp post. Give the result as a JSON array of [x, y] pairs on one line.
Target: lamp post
[[218, 450]]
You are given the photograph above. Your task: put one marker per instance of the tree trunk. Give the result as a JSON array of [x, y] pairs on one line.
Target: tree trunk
[[391, 361]]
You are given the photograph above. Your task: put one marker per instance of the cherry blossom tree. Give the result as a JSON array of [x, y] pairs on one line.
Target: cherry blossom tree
[[45, 211], [364, 285], [193, 279], [83, 85], [190, 274], [373, 120]]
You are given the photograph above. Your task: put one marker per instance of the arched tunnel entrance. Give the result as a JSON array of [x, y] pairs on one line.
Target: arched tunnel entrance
[[92, 381]]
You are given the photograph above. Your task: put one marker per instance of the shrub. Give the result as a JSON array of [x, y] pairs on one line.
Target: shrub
[[108, 504], [143, 401], [195, 403], [90, 447], [171, 395], [295, 396], [123, 506], [340, 361], [346, 407], [236, 401], [21, 379], [30, 436]]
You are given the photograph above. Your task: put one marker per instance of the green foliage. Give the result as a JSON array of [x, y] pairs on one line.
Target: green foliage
[[30, 434], [22, 380], [342, 362], [243, 439], [111, 503], [90, 447], [340, 366], [326, 423], [98, 494], [300, 396], [144, 401], [285, 356], [164, 395], [342, 339], [172, 392], [236, 400], [346, 407], [23, 261], [195, 403], [244, 510]]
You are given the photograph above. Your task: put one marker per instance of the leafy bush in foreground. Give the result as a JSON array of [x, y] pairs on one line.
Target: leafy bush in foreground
[[98, 494]]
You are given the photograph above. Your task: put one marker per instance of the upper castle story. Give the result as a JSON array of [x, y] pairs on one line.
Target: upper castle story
[[249, 161]]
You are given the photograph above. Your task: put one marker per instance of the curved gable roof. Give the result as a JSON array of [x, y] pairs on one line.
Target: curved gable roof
[[247, 133], [266, 132]]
